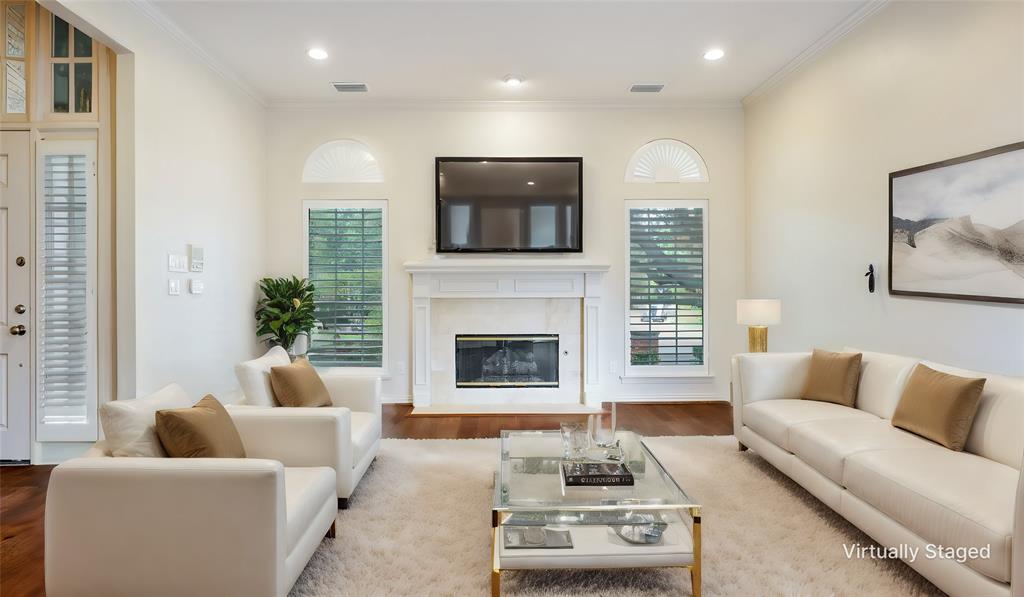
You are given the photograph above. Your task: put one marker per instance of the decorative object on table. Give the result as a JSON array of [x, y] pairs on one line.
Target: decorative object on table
[[641, 528], [596, 474], [285, 311], [536, 537], [870, 275], [956, 228], [602, 428], [757, 315], [575, 441]]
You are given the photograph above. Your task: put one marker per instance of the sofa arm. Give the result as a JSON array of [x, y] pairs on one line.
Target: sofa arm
[[359, 393], [765, 376], [163, 526], [1017, 542], [296, 436]]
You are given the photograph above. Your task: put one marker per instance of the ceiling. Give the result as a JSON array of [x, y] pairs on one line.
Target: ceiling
[[566, 51]]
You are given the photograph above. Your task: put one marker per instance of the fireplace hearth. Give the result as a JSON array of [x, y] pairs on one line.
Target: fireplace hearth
[[506, 361]]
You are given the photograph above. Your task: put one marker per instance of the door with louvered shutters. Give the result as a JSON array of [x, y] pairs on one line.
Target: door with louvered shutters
[[66, 248]]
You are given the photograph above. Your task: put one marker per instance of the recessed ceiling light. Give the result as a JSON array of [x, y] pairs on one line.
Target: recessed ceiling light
[[513, 80], [317, 53], [714, 54], [530, 182], [483, 161]]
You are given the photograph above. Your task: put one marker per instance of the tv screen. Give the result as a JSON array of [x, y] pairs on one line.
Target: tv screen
[[489, 205]]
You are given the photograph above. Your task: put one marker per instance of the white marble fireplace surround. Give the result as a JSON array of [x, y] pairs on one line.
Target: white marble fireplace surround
[[465, 295]]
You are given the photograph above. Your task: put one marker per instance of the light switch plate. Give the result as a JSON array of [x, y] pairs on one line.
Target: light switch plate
[[177, 262], [173, 287], [195, 286]]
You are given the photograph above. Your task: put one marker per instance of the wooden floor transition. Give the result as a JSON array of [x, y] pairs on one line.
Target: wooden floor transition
[[23, 488]]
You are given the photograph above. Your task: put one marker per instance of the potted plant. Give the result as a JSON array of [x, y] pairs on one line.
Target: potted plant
[[284, 314]]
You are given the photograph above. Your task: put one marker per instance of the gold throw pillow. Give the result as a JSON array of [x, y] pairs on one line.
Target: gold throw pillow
[[939, 406], [203, 431], [298, 384], [834, 377]]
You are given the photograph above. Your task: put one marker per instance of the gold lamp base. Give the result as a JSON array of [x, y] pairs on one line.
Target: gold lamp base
[[757, 338]]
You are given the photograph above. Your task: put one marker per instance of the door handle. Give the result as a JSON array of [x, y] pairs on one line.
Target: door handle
[[18, 330]]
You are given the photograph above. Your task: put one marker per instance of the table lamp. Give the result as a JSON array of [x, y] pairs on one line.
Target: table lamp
[[758, 314]]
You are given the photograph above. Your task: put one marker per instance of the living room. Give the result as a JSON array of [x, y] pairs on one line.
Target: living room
[[610, 298]]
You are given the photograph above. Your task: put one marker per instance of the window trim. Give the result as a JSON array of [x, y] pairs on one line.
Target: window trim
[[666, 371], [87, 431], [382, 204]]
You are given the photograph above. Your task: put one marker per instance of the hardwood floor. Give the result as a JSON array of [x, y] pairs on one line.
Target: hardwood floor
[[23, 488]]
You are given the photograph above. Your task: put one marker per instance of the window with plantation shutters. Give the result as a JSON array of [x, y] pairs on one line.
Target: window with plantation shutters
[[346, 252], [66, 302], [665, 329]]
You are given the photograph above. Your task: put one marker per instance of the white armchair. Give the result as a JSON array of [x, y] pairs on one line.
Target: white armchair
[[345, 437], [183, 526]]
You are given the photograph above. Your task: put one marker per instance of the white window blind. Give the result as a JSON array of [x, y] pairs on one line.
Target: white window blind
[[346, 244], [666, 284], [66, 275]]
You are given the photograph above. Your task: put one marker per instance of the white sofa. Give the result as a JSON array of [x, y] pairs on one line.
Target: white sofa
[[345, 437], [897, 487], [184, 526]]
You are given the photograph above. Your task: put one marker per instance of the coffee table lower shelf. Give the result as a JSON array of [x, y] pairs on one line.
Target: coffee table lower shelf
[[597, 546]]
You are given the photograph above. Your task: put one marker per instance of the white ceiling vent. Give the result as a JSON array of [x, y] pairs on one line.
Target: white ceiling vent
[[647, 88], [350, 87]]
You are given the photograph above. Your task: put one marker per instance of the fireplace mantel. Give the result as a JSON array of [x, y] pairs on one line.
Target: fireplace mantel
[[503, 278]]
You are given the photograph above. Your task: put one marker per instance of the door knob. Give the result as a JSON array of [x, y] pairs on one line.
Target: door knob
[[20, 309], [18, 330]]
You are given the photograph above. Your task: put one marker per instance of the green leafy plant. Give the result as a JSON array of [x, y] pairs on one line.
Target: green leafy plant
[[285, 310]]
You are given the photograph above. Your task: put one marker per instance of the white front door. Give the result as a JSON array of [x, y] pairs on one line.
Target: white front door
[[16, 334]]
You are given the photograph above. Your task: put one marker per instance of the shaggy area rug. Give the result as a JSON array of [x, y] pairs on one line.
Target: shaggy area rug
[[419, 524]]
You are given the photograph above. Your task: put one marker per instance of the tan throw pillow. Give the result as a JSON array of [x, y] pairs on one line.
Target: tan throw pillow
[[939, 406], [203, 431], [833, 377], [299, 384]]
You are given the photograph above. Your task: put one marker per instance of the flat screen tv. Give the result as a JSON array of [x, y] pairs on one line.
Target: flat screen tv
[[501, 205]]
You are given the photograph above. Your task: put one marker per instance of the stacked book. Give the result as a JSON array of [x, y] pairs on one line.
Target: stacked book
[[595, 474]]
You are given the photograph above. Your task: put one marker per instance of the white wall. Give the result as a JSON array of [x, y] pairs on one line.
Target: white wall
[[917, 83], [406, 141], [199, 178]]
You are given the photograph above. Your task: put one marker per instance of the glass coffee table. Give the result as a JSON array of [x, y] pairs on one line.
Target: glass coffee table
[[528, 494]]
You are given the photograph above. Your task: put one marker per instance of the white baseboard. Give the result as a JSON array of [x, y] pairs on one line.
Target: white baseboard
[[395, 399], [667, 398]]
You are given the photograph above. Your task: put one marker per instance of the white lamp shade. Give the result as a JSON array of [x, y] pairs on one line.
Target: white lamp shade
[[758, 311]]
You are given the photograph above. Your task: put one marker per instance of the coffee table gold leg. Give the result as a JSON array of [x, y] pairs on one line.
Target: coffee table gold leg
[[495, 571], [695, 570]]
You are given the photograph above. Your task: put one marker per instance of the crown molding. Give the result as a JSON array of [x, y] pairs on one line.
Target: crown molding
[[851, 22], [369, 103], [162, 21]]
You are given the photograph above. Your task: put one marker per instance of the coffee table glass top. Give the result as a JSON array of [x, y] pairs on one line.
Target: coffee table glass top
[[528, 478]]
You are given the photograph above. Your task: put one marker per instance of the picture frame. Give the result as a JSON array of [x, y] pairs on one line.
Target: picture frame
[[956, 228]]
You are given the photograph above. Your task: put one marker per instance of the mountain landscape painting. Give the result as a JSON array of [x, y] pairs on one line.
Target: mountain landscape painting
[[956, 228]]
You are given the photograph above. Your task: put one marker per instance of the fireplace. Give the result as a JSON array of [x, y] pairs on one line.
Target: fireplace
[[506, 361]]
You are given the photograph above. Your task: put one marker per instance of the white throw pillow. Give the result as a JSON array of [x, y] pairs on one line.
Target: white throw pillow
[[126, 421], [146, 445], [254, 376]]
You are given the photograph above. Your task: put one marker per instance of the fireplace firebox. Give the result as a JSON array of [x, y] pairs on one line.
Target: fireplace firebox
[[506, 361]]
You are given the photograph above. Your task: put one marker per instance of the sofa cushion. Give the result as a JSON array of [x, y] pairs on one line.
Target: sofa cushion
[[939, 406], [254, 376], [772, 419], [305, 490], [125, 421], [995, 433], [833, 377], [365, 431], [299, 385], [771, 375], [825, 445], [945, 497], [202, 431], [882, 377]]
